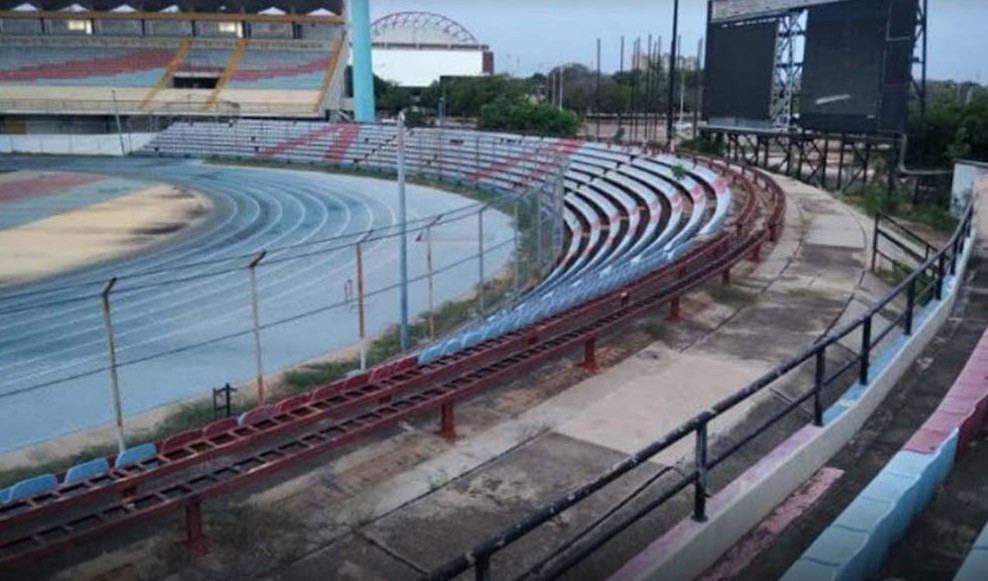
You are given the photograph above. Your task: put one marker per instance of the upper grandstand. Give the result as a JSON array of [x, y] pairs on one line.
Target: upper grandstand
[[254, 58]]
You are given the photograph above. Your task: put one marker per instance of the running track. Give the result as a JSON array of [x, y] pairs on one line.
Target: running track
[[58, 333]]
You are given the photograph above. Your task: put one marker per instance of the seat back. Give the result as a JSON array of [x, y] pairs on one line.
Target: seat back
[[136, 454], [86, 470], [32, 487]]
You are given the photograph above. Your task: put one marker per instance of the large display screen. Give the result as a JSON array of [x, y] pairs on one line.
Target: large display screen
[[740, 67]]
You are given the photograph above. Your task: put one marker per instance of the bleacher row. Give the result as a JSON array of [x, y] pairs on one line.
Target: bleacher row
[[626, 213], [143, 67], [857, 543]]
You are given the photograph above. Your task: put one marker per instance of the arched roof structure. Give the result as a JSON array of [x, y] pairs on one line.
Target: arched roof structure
[[421, 28]]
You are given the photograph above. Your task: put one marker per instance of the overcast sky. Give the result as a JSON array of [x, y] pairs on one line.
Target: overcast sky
[[534, 35]]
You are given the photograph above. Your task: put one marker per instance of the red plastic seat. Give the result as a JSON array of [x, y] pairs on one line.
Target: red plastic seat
[[181, 440], [218, 427], [293, 402]]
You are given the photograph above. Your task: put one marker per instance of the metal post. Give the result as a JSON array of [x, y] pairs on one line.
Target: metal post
[[865, 351], [538, 233], [403, 251], [941, 261], [482, 569], [672, 72], [819, 377], [874, 243], [910, 306], [480, 258], [112, 352], [597, 93], [116, 115], [361, 320], [517, 266], [697, 92], [700, 465], [428, 268], [256, 316]]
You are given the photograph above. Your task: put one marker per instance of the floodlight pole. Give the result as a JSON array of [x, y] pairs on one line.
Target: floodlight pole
[[403, 253], [672, 73]]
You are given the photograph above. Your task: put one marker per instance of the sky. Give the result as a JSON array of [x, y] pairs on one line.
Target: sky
[[529, 36]]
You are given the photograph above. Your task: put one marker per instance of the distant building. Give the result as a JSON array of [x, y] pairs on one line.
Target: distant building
[[415, 49]]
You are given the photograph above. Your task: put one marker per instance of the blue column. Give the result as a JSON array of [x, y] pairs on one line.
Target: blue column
[[363, 69]]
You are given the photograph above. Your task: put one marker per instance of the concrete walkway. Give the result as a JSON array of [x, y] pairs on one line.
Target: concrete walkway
[[941, 536], [406, 502]]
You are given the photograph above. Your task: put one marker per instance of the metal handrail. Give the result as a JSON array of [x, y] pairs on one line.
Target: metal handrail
[[479, 558]]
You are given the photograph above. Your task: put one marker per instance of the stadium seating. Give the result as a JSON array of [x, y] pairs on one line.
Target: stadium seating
[[135, 455], [83, 66]]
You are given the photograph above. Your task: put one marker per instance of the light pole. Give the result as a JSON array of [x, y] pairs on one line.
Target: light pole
[[403, 252], [672, 73]]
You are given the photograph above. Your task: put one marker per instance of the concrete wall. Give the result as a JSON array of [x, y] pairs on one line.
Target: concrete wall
[[73, 144]]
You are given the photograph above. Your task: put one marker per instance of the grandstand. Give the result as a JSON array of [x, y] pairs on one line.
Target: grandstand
[[88, 62]]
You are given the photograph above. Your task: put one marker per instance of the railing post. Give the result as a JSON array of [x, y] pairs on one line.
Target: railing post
[[953, 256], [819, 376], [700, 465], [256, 319], [874, 243], [482, 569], [940, 275], [910, 306], [865, 350]]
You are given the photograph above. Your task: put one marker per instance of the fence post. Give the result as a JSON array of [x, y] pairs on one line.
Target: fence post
[[910, 306], [819, 377], [428, 268], [517, 269], [112, 353], [480, 258], [865, 351], [361, 321], [256, 317], [700, 465]]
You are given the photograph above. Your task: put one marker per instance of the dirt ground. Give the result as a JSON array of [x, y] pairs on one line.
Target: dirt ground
[[97, 233]]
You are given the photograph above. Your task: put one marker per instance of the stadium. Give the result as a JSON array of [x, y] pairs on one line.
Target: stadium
[[249, 331]]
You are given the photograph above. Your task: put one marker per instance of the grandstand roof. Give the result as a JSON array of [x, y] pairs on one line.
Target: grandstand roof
[[248, 6], [421, 28]]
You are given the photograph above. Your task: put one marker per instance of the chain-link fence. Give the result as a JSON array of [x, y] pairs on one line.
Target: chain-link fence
[[181, 321]]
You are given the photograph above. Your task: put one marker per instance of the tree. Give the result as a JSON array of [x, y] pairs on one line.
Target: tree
[[520, 114]]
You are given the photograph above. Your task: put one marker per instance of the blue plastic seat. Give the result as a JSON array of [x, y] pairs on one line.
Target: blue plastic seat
[[86, 470], [4, 495], [32, 487], [134, 455]]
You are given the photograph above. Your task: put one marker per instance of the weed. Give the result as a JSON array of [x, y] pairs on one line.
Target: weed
[[656, 330], [730, 296], [874, 199]]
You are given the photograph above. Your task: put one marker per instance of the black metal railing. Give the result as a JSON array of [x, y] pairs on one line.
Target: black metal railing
[[925, 283]]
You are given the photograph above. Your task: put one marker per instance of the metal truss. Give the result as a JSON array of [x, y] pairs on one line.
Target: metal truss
[[788, 69]]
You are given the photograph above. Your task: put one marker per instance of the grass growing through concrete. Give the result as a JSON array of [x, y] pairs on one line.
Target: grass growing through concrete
[[244, 542], [656, 330], [730, 296]]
